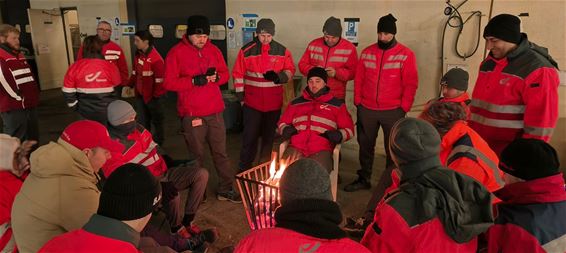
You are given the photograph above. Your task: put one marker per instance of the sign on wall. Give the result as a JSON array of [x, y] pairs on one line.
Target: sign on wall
[[351, 31]]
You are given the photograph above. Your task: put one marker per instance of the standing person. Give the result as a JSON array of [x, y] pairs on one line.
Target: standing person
[[516, 93], [111, 51], [336, 55], [195, 70], [61, 192], [530, 217], [14, 168], [19, 95], [261, 69], [147, 78], [307, 220], [89, 83], [315, 122], [384, 91], [127, 201], [434, 209]]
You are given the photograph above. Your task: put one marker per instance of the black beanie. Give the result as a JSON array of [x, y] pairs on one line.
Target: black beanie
[[198, 24], [265, 25], [332, 27], [456, 78], [529, 159], [505, 27], [304, 179], [319, 72], [130, 193], [387, 24]]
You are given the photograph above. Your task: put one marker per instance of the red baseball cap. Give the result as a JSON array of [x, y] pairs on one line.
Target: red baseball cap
[[90, 134]]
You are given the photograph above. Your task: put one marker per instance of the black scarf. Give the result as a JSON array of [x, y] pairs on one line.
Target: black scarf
[[313, 217], [388, 45], [324, 90]]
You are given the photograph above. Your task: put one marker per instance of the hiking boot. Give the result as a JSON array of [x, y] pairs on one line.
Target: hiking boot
[[198, 242], [356, 227], [357, 185], [231, 196]]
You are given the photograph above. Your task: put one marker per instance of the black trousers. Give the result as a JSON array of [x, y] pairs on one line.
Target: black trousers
[[257, 124], [22, 124], [151, 117]]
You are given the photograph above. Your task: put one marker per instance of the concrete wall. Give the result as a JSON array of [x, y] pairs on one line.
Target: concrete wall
[[419, 26]]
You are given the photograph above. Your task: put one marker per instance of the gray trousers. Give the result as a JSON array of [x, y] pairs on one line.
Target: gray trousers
[[211, 131], [22, 124]]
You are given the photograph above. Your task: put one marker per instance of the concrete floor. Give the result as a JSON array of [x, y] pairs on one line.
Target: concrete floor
[[228, 217]]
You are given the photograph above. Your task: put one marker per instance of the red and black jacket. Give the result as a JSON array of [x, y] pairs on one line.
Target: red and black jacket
[[19, 87]]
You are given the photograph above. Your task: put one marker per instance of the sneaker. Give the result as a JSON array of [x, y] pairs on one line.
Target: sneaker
[[198, 242], [231, 196], [356, 227], [357, 185]]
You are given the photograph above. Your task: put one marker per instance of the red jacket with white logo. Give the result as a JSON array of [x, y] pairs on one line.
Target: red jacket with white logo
[[19, 88], [140, 149], [386, 79], [9, 187], [343, 57], [183, 62], [314, 116], [279, 240], [89, 85], [463, 150], [530, 217], [113, 53], [147, 75], [516, 96], [254, 59]]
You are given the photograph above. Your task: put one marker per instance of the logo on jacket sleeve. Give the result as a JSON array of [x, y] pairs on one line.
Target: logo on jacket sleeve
[[309, 247]]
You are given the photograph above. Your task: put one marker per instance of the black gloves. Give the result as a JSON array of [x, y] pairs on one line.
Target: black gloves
[[288, 131], [212, 72], [277, 78], [168, 191], [333, 136], [200, 80]]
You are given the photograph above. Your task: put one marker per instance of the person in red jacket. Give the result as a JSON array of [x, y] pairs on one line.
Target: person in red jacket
[[126, 203], [384, 90], [336, 55], [19, 94], [147, 78], [307, 220], [454, 86], [516, 92], [462, 149], [195, 69], [315, 122], [14, 168], [111, 51], [434, 209], [89, 83], [530, 217], [261, 69]]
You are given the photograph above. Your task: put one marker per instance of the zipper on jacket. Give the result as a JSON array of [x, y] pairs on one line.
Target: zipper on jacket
[[326, 58], [379, 78]]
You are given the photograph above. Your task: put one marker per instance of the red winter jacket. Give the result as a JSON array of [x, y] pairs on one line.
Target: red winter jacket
[[514, 97], [386, 79], [530, 218], [147, 74], [140, 149], [89, 85], [10, 186], [183, 62], [113, 53], [19, 88], [100, 234], [343, 57], [314, 116], [463, 150], [274, 240], [254, 59]]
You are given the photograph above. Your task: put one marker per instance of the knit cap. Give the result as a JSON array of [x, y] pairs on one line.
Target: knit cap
[[529, 159], [332, 27], [319, 72], [265, 25], [456, 78], [119, 111], [387, 24], [304, 179], [198, 24], [130, 193], [506, 27]]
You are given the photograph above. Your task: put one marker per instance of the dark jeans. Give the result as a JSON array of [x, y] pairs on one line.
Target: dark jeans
[[22, 124], [213, 132], [257, 124], [195, 180], [151, 114]]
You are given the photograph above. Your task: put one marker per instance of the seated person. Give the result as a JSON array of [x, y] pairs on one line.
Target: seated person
[[307, 220], [315, 122], [434, 209], [141, 149], [462, 149], [454, 85], [530, 217]]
